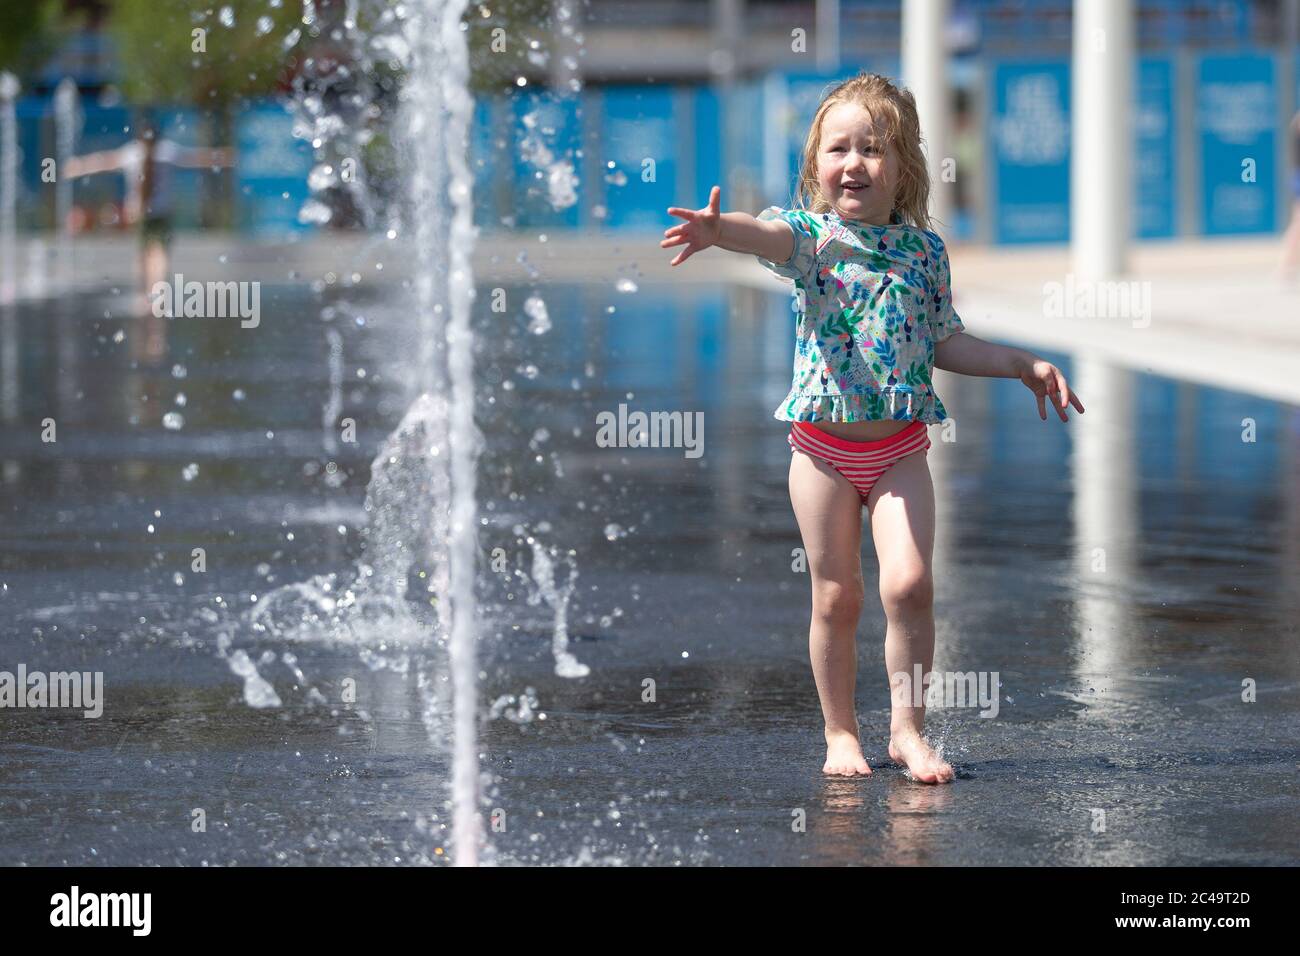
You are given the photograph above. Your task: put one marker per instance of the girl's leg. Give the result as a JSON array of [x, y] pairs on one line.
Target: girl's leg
[[829, 511], [901, 506], [149, 337]]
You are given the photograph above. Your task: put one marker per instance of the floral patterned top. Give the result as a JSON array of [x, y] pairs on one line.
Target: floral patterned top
[[872, 302]]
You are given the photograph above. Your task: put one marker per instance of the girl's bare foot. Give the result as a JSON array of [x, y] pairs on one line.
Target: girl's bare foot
[[844, 755], [912, 751]]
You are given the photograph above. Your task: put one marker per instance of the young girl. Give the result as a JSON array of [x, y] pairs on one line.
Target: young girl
[[875, 316]]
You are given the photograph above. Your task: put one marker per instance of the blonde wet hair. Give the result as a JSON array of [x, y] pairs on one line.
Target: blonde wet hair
[[893, 114]]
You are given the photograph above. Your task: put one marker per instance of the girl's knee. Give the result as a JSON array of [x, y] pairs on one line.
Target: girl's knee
[[905, 590], [838, 602]]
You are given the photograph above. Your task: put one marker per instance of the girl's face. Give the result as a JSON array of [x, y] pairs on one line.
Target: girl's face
[[857, 172]]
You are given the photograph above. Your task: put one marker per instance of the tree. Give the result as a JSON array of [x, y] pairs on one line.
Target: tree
[[28, 34], [176, 51]]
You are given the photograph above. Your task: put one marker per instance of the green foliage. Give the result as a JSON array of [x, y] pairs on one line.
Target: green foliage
[[155, 40], [155, 56], [28, 33], [493, 70]]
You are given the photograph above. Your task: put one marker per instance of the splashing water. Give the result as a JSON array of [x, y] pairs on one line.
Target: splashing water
[[258, 692], [334, 406], [380, 604], [539, 321], [544, 588], [337, 107], [409, 606], [561, 178], [414, 585], [441, 60]]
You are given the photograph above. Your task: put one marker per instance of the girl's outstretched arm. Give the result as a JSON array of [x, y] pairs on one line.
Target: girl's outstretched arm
[[736, 231], [105, 161], [965, 354]]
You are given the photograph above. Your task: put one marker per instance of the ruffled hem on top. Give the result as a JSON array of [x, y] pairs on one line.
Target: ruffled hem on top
[[888, 404]]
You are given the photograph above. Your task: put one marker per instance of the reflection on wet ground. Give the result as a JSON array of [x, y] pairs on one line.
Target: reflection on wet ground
[[1124, 576]]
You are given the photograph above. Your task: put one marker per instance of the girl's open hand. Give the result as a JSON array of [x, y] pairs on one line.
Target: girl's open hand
[[1043, 379], [700, 230]]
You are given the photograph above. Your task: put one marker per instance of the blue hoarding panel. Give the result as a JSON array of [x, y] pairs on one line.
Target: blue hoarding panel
[[707, 148], [35, 144], [487, 144], [271, 168], [1029, 148], [639, 136], [1155, 187], [1236, 120]]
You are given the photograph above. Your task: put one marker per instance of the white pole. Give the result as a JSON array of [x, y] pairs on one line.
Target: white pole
[[1101, 147], [728, 28], [726, 36], [9, 367], [566, 24], [8, 188], [826, 37], [924, 73], [65, 143]]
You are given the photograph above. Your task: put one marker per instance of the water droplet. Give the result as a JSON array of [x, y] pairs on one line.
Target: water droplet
[[314, 212], [539, 320], [258, 693], [174, 421], [321, 177]]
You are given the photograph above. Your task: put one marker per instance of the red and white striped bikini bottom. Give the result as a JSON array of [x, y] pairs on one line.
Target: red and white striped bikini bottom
[[861, 462]]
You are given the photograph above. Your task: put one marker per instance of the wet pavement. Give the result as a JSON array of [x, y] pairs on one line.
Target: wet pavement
[[1123, 576]]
